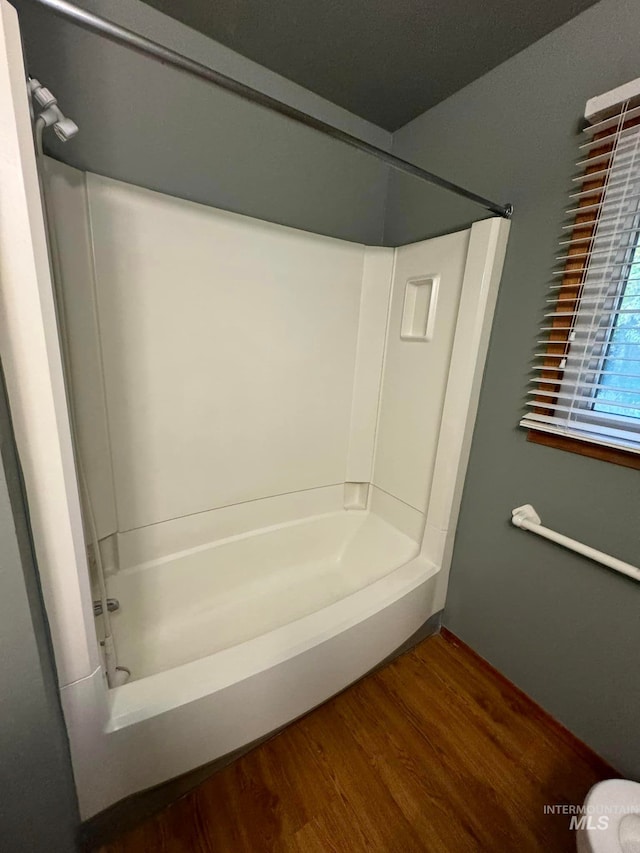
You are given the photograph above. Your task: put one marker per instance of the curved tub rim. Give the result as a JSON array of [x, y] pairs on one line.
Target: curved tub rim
[[164, 691]]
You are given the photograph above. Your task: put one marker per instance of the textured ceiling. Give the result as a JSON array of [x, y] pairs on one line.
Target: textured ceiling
[[384, 60]]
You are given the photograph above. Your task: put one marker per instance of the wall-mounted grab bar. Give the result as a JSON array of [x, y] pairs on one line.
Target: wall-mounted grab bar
[[528, 519]]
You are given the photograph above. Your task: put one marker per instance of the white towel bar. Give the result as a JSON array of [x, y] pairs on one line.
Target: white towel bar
[[528, 519]]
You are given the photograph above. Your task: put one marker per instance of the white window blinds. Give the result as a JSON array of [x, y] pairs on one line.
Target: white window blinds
[[585, 380]]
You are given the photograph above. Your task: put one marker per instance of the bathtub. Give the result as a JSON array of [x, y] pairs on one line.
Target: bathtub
[[302, 614], [256, 630], [201, 602]]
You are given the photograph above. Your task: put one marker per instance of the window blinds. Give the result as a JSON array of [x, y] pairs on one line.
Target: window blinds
[[585, 379]]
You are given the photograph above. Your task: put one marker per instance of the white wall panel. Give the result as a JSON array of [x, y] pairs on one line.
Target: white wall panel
[[69, 223], [374, 306], [415, 371], [228, 348]]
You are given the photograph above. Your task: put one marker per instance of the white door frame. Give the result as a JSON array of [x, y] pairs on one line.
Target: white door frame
[[30, 353]]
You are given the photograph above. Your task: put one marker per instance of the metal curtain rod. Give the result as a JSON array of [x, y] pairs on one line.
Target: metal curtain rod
[[122, 35]]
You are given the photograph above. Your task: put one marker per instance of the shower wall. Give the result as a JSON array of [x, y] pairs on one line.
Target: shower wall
[[415, 381], [207, 407], [229, 373]]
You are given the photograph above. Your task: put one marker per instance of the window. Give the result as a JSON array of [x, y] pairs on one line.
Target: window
[[584, 394]]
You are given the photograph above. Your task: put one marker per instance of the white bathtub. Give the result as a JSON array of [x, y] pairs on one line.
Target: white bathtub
[[202, 601], [256, 630]]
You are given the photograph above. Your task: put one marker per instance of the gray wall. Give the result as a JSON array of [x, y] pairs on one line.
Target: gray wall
[[38, 810], [155, 126], [562, 628]]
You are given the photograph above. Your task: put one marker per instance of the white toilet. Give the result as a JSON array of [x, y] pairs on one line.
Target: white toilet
[[617, 800]]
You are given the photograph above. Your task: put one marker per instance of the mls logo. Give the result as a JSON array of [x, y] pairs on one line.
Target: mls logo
[[587, 822]]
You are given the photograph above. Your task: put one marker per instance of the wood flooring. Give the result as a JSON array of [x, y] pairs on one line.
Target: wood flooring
[[434, 752]]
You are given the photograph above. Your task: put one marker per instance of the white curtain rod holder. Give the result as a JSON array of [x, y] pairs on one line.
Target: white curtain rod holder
[[524, 513]]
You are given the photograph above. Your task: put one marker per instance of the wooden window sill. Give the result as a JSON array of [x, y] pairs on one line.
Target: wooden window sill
[[585, 448]]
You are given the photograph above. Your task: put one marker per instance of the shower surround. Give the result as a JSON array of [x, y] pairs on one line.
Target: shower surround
[[274, 428]]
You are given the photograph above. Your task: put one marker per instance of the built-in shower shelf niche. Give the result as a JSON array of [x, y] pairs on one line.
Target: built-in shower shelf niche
[[419, 309], [356, 495]]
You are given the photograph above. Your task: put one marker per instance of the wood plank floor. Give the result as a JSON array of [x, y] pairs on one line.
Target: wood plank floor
[[434, 752]]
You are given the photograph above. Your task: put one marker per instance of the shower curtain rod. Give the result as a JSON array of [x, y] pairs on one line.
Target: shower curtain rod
[[122, 35]]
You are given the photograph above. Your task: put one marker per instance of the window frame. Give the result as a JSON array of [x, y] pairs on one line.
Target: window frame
[[559, 341]]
